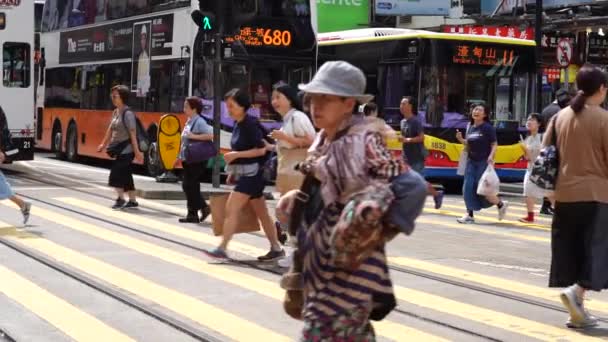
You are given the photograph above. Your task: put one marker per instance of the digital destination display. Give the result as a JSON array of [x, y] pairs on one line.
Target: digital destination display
[[263, 36], [476, 55]]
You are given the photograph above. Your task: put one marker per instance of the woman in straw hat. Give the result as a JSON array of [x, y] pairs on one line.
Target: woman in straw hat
[[340, 295]]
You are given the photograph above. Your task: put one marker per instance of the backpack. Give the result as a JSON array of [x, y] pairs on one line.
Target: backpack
[[142, 136]]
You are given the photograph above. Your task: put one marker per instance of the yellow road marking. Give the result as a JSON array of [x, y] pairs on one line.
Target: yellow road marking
[[481, 315], [488, 219], [263, 287], [64, 316], [473, 228], [495, 282], [186, 306], [514, 324], [160, 226], [540, 219]]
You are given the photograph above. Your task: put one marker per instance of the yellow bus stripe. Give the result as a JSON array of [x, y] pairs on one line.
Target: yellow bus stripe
[[198, 311], [64, 316], [514, 324], [261, 286], [495, 282]]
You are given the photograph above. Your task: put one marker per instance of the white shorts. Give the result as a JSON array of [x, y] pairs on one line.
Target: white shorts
[[533, 190]]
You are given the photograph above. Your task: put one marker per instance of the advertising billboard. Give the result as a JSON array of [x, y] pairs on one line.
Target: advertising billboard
[[337, 15], [413, 7], [488, 6]]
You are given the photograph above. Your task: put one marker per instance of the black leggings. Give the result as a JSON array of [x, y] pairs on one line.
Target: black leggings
[[121, 175], [192, 185]]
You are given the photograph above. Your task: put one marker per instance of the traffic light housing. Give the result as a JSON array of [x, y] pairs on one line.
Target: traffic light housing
[[206, 21]]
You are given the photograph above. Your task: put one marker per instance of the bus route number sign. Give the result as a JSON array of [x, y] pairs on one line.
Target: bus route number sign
[[263, 36]]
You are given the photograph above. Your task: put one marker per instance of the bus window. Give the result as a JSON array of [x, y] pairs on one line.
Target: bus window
[[16, 65]]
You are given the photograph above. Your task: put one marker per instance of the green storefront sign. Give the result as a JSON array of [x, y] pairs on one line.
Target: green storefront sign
[[337, 15]]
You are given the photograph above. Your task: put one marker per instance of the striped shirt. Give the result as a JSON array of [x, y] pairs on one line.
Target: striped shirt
[[329, 290]]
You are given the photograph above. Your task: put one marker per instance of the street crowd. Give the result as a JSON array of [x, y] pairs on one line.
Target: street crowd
[[344, 196]]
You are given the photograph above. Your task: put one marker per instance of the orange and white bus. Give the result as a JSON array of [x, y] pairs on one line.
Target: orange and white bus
[[154, 47], [17, 88]]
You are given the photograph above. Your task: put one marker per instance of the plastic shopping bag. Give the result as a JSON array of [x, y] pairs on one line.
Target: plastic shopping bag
[[489, 184]]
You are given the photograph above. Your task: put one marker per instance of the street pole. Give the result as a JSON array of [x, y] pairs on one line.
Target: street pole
[[217, 90], [539, 55]]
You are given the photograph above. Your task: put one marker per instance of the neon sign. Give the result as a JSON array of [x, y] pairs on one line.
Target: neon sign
[[263, 37], [475, 55]]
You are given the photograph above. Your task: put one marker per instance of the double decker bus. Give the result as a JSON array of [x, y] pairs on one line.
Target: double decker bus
[[17, 88], [155, 48], [448, 74]]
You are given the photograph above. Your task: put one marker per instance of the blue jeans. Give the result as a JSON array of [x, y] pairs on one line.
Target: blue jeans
[[472, 175]]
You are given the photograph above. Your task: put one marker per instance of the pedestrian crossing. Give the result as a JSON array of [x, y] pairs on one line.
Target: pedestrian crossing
[[239, 327]]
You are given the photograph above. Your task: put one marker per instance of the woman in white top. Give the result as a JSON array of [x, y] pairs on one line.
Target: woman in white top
[[293, 141], [532, 146]]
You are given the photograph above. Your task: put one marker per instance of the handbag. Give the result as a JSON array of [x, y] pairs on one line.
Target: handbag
[[115, 149], [247, 219], [546, 166], [288, 178], [199, 151]]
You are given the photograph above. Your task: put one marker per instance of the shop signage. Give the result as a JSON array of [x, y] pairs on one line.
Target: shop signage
[[116, 41], [496, 31], [413, 7]]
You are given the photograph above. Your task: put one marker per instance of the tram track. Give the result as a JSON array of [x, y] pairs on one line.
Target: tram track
[[277, 272]]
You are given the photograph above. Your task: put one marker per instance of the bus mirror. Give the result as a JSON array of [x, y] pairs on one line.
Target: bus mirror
[[182, 67]]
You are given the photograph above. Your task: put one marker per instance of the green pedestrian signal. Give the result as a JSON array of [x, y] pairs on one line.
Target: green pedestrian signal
[[207, 24]]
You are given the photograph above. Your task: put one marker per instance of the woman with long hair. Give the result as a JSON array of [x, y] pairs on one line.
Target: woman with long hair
[[196, 129], [245, 170], [579, 241], [481, 145]]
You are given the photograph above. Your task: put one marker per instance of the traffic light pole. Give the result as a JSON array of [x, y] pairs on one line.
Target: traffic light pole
[[217, 106], [539, 55]]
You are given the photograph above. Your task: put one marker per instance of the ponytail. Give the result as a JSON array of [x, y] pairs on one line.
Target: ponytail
[[578, 102]]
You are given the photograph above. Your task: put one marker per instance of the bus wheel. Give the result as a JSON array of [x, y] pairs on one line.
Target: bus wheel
[[152, 161], [57, 144], [72, 144]]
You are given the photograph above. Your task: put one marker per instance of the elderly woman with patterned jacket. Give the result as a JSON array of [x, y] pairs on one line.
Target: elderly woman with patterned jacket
[[348, 156]]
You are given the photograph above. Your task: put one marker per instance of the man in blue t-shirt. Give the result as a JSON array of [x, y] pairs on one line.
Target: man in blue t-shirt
[[412, 138]]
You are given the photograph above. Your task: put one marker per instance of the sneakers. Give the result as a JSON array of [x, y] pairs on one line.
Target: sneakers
[[502, 212], [216, 253], [574, 304], [438, 199], [131, 205], [25, 211], [545, 210], [205, 212], [272, 255], [526, 220], [287, 261], [466, 219], [588, 322], [120, 202]]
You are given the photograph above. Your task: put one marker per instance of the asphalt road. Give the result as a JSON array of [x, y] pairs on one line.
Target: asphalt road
[[80, 271]]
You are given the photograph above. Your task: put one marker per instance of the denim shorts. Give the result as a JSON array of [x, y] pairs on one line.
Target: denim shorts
[[5, 189], [252, 185]]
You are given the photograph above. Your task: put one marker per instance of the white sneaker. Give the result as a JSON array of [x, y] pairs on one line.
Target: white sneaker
[[502, 212], [466, 219], [287, 261], [574, 305], [588, 322]]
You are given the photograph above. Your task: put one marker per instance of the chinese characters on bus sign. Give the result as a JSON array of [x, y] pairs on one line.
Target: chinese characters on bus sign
[[496, 31], [10, 3], [476, 55], [263, 36]]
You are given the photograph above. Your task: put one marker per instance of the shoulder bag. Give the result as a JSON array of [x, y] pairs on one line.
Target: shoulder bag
[[287, 160], [546, 166], [199, 151]]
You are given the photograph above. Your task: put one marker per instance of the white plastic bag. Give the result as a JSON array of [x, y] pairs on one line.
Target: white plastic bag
[[462, 162], [489, 184]]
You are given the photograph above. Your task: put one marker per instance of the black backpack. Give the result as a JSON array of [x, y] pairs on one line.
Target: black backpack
[[142, 136]]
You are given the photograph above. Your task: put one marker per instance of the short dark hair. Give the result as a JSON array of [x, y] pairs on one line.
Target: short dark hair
[[195, 103], [589, 80], [291, 94], [240, 97], [123, 91], [486, 110], [369, 108], [412, 101], [536, 117]]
